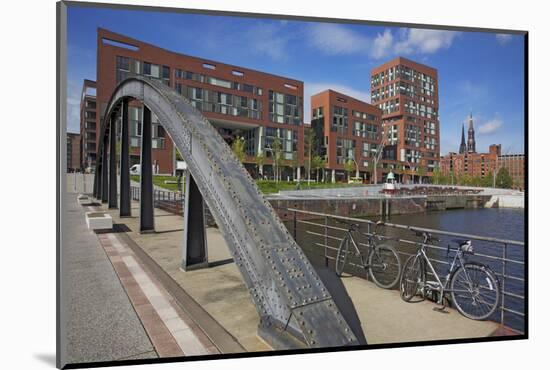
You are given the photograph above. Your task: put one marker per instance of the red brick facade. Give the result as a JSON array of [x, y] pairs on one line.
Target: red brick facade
[[407, 93], [345, 128], [238, 101]]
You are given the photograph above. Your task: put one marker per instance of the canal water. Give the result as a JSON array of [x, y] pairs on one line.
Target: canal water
[[490, 222]]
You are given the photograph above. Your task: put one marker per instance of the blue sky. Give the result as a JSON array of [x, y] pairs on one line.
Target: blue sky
[[478, 72]]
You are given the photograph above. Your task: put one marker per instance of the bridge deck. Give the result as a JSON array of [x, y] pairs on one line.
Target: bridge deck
[[379, 314]]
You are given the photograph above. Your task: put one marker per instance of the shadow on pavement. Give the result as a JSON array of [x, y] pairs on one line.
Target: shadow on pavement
[[338, 292]]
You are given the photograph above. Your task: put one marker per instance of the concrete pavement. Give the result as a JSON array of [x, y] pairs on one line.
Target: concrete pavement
[[101, 322]]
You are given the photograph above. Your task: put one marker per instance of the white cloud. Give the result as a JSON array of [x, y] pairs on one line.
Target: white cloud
[[420, 41], [503, 38], [382, 44], [490, 127], [312, 88], [267, 39], [334, 39]]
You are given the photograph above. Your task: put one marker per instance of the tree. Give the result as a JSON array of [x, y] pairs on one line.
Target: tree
[[309, 143], [487, 181], [504, 180], [277, 156], [349, 166], [317, 162], [420, 171], [437, 176], [260, 159], [238, 148]]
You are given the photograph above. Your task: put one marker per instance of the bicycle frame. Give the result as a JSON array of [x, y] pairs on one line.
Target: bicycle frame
[[441, 287], [371, 245]]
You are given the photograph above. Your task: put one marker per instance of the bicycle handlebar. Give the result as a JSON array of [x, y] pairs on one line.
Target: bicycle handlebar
[[427, 236]]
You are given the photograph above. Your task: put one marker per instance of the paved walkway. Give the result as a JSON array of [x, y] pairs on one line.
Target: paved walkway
[[376, 314], [229, 317], [171, 330], [102, 324]]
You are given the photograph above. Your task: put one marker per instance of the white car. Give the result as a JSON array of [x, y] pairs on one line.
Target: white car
[[135, 169]]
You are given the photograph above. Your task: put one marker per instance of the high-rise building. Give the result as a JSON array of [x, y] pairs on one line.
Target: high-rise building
[[345, 129], [88, 125], [238, 101], [407, 94]]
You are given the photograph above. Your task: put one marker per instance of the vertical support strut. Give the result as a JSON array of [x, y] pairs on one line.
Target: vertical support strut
[[104, 170], [194, 253], [146, 216], [125, 202], [113, 198], [96, 186]]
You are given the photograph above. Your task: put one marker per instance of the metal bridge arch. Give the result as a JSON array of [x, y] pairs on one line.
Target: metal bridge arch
[[294, 306]]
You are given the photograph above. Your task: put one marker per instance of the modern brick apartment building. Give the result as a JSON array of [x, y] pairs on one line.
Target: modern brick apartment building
[[345, 129], [73, 152], [240, 102], [88, 125], [407, 94]]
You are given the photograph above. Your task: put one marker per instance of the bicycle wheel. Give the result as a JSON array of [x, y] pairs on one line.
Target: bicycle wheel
[[412, 276], [475, 291], [384, 266], [341, 256]]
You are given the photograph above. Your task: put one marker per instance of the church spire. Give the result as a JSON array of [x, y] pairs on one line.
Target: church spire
[[462, 142], [471, 135]]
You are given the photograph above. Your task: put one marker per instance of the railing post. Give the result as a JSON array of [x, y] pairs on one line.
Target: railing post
[[294, 224], [326, 241], [502, 288]]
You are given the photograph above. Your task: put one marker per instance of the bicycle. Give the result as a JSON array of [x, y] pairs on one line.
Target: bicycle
[[473, 287], [382, 262]]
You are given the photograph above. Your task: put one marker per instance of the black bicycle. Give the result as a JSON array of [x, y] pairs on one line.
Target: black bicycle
[[382, 261], [473, 287]]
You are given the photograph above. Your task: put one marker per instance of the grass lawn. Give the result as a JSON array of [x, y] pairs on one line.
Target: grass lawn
[[266, 186], [270, 186], [160, 181]]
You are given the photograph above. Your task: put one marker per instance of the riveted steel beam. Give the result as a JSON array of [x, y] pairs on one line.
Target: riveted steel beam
[[294, 306]]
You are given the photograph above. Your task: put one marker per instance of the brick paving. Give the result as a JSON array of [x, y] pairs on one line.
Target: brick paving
[[172, 331]]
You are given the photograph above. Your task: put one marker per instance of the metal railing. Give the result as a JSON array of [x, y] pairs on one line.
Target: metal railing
[[161, 198], [504, 257]]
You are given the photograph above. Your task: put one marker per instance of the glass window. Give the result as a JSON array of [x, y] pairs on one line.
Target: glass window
[[165, 72], [146, 68]]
